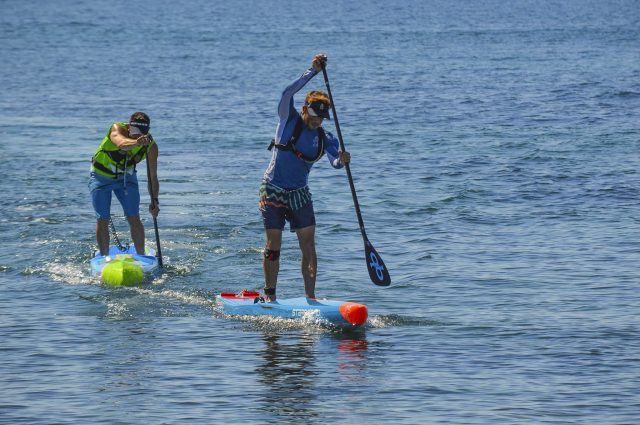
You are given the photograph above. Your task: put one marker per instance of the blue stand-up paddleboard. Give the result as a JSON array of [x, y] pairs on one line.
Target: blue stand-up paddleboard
[[124, 267], [343, 314]]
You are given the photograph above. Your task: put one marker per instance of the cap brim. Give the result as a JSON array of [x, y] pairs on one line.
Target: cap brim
[[139, 126], [322, 114]]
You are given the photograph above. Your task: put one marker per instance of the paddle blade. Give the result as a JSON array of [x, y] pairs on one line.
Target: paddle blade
[[377, 270]]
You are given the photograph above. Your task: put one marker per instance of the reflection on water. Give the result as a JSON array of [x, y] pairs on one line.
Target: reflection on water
[[288, 371], [352, 356], [292, 378]]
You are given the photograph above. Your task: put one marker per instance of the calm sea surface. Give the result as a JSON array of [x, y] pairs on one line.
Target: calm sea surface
[[495, 155]]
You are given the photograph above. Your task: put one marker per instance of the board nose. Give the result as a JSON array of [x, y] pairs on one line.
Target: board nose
[[354, 313], [123, 270]]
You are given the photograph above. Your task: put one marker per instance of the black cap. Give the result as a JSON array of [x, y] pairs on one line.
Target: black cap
[[141, 126]]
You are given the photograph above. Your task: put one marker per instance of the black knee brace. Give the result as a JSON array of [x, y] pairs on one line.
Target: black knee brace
[[271, 255]]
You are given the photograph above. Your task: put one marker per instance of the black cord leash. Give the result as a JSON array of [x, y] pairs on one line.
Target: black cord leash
[[121, 247]]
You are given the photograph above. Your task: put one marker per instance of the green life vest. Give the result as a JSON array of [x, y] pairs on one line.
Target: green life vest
[[111, 161]]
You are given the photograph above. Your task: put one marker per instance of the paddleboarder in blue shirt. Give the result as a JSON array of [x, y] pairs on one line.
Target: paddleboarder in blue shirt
[[300, 141]]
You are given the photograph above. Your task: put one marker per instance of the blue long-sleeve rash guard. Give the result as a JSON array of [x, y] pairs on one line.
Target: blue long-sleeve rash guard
[[285, 169]]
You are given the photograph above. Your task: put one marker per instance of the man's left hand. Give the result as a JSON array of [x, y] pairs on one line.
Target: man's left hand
[[154, 209], [345, 157]]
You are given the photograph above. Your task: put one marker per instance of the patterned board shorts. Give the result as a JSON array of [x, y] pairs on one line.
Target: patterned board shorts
[[279, 205]]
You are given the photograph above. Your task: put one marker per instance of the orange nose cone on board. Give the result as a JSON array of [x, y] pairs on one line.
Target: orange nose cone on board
[[356, 314]]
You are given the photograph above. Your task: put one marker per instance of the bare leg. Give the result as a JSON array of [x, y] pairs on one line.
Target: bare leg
[[309, 263], [272, 267], [137, 233], [102, 236]]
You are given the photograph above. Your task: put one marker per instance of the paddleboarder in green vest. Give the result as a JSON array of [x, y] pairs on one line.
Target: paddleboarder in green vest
[[113, 170], [300, 141]]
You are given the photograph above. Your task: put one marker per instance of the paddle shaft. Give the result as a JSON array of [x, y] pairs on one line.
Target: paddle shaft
[[375, 266], [155, 220], [346, 166]]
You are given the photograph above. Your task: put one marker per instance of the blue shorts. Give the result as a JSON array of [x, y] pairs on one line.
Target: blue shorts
[[101, 188], [275, 217]]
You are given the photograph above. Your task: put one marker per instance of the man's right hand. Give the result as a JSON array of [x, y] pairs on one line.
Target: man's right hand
[[319, 61], [143, 140]]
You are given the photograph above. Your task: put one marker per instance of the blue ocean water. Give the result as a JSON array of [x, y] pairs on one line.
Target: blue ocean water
[[495, 154]]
